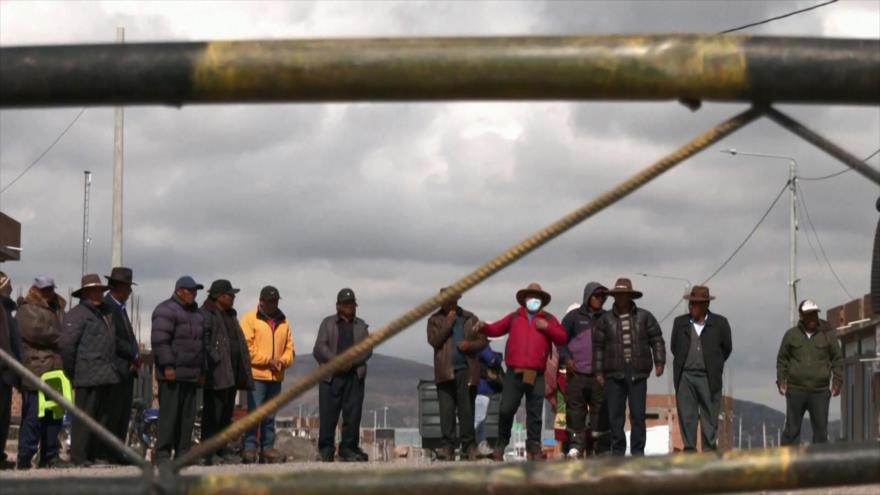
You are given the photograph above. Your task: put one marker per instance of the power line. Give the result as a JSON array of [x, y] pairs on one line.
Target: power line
[[45, 152], [819, 242], [835, 174], [783, 16], [754, 229], [738, 248]]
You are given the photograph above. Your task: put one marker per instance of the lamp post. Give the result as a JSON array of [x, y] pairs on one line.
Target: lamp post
[[793, 227]]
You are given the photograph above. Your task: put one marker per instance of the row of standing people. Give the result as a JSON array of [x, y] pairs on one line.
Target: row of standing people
[[205, 348], [608, 356]]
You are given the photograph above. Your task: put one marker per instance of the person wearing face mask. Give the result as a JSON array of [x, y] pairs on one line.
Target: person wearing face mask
[[809, 357], [531, 331], [627, 344]]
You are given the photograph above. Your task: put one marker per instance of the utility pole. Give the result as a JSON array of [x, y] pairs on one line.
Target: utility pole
[[87, 186], [118, 117], [385, 419], [792, 228], [764, 433], [740, 433]]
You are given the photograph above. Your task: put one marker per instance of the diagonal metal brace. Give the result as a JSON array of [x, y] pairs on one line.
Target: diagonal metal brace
[[825, 145]]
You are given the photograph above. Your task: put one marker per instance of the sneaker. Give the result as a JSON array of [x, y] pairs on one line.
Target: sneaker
[[249, 456], [484, 449], [471, 455], [498, 455], [573, 453]]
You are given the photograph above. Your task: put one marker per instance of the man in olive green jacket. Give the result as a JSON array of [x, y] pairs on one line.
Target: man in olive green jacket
[[809, 357]]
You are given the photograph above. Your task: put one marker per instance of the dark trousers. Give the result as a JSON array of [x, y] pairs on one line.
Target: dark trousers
[[695, 402], [84, 444], [511, 396], [345, 394], [37, 433], [618, 392], [797, 402], [119, 405], [5, 416], [584, 396], [177, 415], [217, 408], [457, 396]]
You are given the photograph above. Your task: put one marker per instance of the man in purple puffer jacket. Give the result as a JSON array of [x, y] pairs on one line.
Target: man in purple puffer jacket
[[584, 393]]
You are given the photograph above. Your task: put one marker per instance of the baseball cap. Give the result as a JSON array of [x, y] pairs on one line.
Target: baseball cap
[[809, 305], [187, 282], [345, 296], [269, 293], [222, 286], [44, 282]]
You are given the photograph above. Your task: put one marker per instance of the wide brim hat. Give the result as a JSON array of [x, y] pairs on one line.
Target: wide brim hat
[[89, 281], [533, 289], [624, 286], [699, 293], [121, 274]]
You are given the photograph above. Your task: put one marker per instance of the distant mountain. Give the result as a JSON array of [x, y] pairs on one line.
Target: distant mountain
[[391, 382]]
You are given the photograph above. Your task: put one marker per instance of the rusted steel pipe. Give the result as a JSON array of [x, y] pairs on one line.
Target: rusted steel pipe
[[734, 471], [602, 67]]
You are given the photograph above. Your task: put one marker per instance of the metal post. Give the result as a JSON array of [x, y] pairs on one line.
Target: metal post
[[385, 419], [87, 186], [740, 439], [118, 117], [792, 225], [792, 243]]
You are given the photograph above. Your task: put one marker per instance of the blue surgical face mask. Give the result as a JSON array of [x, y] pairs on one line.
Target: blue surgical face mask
[[533, 304]]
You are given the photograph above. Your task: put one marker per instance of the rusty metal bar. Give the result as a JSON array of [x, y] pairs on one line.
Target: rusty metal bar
[[688, 67], [734, 471], [825, 145], [481, 273], [96, 428]]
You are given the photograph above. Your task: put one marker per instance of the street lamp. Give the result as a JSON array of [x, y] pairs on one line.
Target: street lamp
[[793, 227], [385, 417]]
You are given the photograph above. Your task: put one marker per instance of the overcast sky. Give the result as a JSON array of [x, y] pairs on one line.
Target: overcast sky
[[397, 200]]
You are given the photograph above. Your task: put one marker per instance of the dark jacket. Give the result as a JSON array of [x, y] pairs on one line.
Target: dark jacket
[[578, 324], [126, 343], [88, 346], [179, 340], [10, 340], [440, 338], [225, 367], [39, 322], [809, 363], [325, 344], [716, 345], [648, 347]]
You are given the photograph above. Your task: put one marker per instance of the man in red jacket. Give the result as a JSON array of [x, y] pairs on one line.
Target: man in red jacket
[[531, 332]]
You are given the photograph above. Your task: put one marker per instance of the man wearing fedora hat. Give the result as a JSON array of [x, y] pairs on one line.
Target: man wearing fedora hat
[[39, 318], [627, 344], [180, 355], [531, 332], [229, 365], [120, 282], [88, 351], [700, 345], [456, 373], [809, 358]]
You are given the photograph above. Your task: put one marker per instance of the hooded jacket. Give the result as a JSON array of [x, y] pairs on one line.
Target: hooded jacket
[[579, 324]]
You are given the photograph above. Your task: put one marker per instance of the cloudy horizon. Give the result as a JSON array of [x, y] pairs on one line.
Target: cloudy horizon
[[398, 199]]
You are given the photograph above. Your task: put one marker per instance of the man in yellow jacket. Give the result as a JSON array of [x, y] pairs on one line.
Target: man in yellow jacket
[[270, 344]]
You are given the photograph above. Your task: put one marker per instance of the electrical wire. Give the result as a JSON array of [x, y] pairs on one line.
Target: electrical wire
[[783, 16]]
